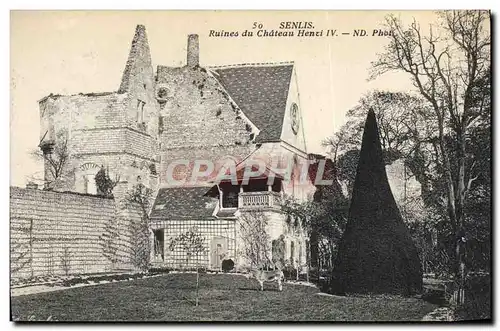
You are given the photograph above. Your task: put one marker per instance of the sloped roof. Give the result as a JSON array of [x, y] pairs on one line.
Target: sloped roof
[[183, 203], [261, 92], [226, 213]]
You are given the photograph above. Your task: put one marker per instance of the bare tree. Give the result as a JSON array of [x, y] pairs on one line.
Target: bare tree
[[66, 260], [407, 131], [193, 245], [109, 241], [256, 243], [139, 198], [450, 67], [56, 157], [22, 256]]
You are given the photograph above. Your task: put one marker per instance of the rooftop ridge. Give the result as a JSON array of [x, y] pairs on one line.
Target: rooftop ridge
[[42, 191], [89, 94], [255, 64], [237, 65]]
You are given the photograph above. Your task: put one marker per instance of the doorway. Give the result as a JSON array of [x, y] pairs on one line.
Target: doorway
[[218, 251]]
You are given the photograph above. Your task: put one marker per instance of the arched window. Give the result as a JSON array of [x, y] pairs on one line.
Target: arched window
[[90, 186], [86, 179], [292, 252]]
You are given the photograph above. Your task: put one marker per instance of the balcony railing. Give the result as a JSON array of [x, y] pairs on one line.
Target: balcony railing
[[258, 200]]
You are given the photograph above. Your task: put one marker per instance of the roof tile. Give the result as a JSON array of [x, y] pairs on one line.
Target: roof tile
[[181, 203], [261, 93]]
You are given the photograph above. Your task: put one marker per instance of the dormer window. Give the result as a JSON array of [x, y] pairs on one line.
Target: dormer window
[[230, 200]]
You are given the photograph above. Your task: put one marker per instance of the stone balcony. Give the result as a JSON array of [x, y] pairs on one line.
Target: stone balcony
[[259, 200]]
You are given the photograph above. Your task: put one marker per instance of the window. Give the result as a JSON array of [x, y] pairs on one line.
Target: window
[[152, 169], [292, 252], [230, 200], [159, 245], [140, 111], [160, 125], [162, 93], [89, 185], [229, 196]]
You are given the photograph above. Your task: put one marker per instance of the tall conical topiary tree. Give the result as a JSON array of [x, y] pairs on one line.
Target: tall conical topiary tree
[[376, 253]]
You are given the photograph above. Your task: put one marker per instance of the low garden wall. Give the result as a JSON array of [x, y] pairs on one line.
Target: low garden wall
[[55, 233]]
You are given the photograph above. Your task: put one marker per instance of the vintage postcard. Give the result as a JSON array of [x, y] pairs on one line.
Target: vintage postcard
[[233, 166]]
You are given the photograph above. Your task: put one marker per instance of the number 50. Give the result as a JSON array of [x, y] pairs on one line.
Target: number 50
[[257, 25]]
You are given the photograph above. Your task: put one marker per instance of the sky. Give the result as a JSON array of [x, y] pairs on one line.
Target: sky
[[68, 52]]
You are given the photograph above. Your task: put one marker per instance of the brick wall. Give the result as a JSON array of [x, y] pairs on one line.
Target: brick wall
[[51, 230]]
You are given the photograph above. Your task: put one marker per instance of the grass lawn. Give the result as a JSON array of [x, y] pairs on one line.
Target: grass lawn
[[223, 297]]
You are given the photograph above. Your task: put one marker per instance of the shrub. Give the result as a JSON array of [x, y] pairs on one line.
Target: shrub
[[376, 253], [227, 265], [477, 304], [159, 270]]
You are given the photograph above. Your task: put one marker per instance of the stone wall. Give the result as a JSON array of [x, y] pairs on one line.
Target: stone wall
[[98, 131], [199, 120], [54, 233]]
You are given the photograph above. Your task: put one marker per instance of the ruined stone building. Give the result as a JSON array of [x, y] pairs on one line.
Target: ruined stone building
[[162, 126]]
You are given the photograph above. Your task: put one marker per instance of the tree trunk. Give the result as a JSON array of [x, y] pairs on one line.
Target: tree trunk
[[197, 283], [31, 249], [460, 239], [308, 259], [455, 199]]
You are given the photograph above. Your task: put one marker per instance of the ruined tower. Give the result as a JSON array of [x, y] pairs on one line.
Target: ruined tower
[[117, 130]]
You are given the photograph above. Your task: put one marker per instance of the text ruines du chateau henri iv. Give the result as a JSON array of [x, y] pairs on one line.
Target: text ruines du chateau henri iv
[[297, 29]]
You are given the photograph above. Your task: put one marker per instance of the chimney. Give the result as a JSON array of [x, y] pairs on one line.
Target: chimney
[[193, 51]]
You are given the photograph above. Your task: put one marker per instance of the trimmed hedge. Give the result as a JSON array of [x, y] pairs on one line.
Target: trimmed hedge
[[376, 253]]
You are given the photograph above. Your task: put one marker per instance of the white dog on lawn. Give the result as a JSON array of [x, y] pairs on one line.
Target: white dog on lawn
[[263, 276]]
